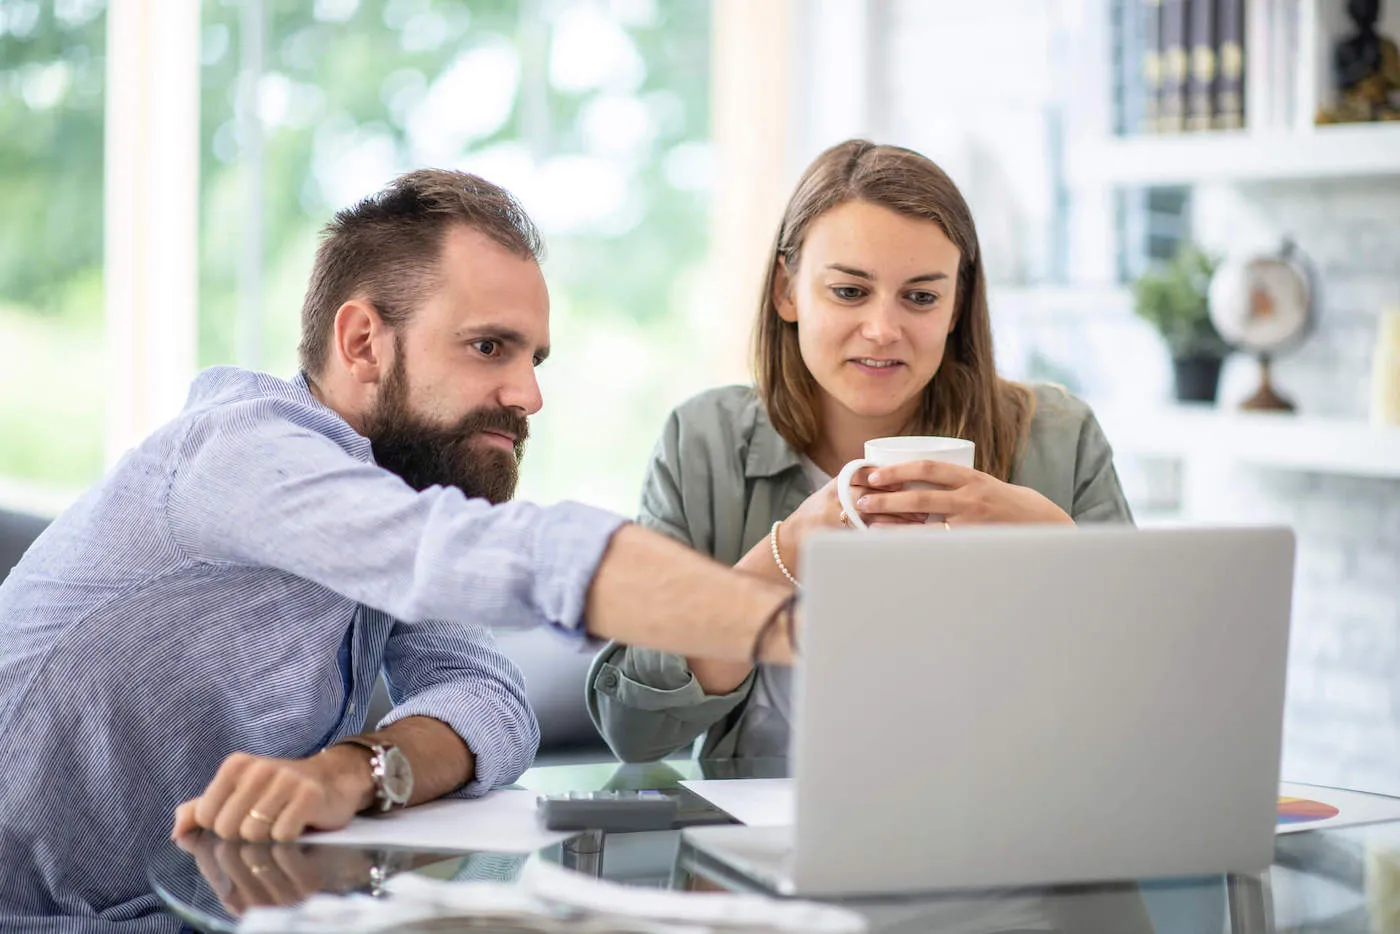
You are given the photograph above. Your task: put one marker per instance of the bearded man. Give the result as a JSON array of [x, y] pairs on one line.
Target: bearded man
[[194, 642]]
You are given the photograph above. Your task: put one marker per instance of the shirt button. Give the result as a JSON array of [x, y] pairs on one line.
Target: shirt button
[[351, 709], [609, 679]]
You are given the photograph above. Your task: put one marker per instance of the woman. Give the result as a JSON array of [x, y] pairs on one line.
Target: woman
[[873, 322]]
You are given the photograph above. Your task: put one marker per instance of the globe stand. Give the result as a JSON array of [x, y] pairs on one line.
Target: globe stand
[[1265, 399]]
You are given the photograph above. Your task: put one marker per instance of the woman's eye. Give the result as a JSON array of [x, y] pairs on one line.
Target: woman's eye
[[847, 293], [923, 298], [488, 348]]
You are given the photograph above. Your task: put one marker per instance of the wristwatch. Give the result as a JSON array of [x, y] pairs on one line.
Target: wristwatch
[[389, 767]]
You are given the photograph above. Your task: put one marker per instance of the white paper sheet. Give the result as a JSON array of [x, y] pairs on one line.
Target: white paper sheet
[[1353, 807], [500, 822], [769, 802], [758, 802]]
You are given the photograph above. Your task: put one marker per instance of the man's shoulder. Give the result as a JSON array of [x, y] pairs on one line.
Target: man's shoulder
[[233, 403], [221, 387]]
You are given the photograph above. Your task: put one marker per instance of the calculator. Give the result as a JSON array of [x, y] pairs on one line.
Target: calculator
[[616, 811]]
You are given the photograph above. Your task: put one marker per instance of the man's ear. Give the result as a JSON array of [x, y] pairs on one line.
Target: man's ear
[[362, 341], [782, 292]]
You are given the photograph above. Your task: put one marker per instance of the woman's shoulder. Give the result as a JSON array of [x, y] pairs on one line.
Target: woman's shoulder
[[726, 430], [726, 413], [726, 401], [1058, 412]]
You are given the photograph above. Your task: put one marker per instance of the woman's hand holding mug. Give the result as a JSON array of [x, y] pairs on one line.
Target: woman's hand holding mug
[[934, 477], [881, 456]]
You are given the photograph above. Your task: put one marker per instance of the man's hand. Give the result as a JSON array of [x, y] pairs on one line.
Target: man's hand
[[249, 875], [257, 798]]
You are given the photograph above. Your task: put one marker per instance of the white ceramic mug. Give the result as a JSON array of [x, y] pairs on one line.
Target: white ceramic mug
[[881, 452]]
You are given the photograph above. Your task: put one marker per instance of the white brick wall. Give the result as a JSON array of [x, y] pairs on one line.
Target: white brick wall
[[1343, 715], [966, 84]]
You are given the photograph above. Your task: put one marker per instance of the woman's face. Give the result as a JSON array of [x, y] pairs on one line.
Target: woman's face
[[873, 298]]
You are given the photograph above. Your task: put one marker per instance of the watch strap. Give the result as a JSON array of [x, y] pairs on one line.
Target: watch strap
[[377, 767]]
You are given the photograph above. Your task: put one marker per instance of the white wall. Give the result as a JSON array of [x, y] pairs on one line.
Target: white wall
[[1343, 722]]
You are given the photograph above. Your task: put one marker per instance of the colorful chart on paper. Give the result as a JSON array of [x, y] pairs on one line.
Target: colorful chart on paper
[[1300, 810]]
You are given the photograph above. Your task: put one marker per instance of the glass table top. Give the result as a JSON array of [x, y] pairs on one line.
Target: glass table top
[[1337, 881]]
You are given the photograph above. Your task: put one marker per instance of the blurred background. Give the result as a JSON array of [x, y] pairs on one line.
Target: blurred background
[[167, 164]]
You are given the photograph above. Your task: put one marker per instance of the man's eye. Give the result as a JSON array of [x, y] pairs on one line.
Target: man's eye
[[488, 348]]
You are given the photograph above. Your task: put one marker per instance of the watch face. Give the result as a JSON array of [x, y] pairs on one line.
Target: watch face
[[398, 776]]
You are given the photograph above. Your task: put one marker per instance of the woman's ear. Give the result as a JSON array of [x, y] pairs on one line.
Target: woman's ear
[[782, 292]]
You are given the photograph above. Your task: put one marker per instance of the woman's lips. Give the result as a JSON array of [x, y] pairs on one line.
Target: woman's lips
[[875, 366]]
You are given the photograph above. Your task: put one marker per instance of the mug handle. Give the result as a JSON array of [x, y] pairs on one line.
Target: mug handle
[[843, 490]]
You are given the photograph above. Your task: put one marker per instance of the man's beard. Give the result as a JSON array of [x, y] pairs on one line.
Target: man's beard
[[425, 454]]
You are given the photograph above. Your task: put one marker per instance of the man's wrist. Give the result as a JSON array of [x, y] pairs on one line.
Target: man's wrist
[[350, 773]]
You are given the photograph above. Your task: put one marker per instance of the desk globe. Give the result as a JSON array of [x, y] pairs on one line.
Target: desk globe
[[1264, 304]]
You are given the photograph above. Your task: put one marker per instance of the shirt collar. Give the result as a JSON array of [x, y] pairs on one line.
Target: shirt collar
[[357, 444], [769, 453]]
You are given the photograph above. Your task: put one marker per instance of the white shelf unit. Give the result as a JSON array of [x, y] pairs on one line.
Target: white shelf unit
[[1275, 440], [1342, 151]]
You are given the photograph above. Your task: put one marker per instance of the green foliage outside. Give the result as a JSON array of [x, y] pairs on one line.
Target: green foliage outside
[[51, 78], [345, 88]]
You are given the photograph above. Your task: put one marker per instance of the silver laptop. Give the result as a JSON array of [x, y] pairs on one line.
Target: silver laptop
[[1019, 706]]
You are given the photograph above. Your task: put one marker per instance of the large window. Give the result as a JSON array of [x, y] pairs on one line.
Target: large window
[[51, 119], [594, 113]]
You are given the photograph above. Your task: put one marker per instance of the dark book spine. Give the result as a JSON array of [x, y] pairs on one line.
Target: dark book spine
[[1171, 112], [1201, 66], [1229, 87], [1149, 32]]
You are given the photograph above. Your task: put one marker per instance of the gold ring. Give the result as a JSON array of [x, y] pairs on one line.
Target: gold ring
[[845, 519], [257, 815]]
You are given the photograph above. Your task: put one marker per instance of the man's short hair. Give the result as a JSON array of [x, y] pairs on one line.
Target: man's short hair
[[385, 249]]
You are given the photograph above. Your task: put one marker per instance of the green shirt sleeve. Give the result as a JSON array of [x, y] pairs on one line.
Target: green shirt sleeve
[[1098, 496], [647, 704]]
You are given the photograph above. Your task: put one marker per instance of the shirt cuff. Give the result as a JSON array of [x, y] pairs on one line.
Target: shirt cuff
[[568, 547], [502, 738], [661, 681]]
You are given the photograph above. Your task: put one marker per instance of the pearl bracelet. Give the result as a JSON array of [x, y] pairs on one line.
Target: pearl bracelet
[[778, 558]]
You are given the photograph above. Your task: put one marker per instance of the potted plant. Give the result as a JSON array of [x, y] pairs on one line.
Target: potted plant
[[1172, 298]]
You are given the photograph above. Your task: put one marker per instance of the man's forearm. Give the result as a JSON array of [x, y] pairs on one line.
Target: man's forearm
[[654, 592], [259, 797], [440, 760]]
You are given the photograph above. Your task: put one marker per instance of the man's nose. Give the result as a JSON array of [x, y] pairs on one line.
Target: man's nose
[[522, 392]]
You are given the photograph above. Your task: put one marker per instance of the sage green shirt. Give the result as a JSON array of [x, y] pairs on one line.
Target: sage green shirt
[[720, 476]]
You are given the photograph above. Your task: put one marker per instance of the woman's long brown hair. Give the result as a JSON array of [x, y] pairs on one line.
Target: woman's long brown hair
[[966, 399]]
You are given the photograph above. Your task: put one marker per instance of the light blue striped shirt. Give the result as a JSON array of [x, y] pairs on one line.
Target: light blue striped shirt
[[193, 605]]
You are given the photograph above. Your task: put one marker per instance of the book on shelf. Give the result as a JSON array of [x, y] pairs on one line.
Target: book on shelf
[[1201, 65], [1262, 65], [1149, 24], [1172, 53], [1230, 65]]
